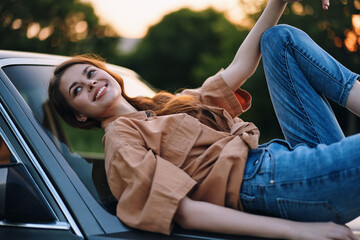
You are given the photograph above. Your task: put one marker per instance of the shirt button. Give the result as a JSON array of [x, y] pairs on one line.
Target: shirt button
[[256, 162], [272, 181]]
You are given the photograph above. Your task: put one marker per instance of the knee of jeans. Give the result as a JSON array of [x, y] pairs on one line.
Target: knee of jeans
[[275, 36]]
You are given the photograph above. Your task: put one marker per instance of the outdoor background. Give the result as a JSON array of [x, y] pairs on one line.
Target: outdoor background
[[186, 42]]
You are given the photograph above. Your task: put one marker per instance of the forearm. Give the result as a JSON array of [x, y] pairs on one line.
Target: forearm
[[209, 217], [205, 216], [248, 55]]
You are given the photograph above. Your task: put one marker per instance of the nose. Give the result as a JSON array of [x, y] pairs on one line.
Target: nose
[[91, 85]]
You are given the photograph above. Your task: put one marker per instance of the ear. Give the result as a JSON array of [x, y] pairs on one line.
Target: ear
[[81, 117]]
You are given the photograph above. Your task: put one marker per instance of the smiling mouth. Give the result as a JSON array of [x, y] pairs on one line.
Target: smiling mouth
[[99, 92]]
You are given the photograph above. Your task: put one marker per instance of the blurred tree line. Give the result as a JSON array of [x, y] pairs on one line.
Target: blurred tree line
[[66, 27], [185, 47]]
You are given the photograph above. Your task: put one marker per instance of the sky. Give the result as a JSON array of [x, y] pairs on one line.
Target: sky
[[131, 18]]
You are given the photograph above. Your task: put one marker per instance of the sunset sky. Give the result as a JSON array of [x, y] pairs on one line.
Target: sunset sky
[[131, 19]]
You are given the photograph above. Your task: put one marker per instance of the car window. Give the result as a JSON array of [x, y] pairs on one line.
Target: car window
[[82, 149], [16, 184]]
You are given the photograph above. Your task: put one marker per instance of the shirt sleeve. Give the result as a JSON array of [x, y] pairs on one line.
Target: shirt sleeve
[[215, 92], [148, 187]]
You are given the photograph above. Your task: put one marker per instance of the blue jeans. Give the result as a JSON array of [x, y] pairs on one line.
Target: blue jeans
[[315, 174]]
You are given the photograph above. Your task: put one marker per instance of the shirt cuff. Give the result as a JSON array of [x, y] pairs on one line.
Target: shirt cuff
[[170, 208], [216, 92]]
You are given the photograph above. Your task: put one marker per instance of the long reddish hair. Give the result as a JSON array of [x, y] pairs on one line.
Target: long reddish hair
[[163, 103]]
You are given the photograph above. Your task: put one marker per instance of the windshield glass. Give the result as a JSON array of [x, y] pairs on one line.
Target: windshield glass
[[82, 149]]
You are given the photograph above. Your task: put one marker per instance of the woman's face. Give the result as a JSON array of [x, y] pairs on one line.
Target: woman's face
[[91, 91]]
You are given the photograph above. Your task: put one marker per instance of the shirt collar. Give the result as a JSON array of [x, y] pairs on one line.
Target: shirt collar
[[140, 115]]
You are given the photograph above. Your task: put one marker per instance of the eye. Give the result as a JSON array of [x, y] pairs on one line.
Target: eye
[[76, 91], [90, 73]]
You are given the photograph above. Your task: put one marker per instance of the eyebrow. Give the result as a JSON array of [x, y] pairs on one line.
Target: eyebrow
[[85, 70], [71, 86], [75, 83]]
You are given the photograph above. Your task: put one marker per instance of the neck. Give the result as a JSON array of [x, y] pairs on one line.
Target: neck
[[126, 108], [121, 107]]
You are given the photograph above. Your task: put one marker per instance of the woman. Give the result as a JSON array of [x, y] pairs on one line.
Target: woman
[[186, 158]]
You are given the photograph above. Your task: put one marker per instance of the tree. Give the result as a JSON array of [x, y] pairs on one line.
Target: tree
[[62, 27], [185, 48]]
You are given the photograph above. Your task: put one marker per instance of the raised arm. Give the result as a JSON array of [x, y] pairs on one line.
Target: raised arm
[[248, 55], [205, 216]]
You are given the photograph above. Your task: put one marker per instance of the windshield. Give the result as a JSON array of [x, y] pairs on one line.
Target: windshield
[[82, 149]]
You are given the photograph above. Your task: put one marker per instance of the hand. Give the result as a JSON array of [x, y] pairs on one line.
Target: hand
[[325, 4], [320, 231]]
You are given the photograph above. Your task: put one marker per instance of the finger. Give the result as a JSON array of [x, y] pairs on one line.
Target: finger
[[340, 232], [354, 237], [347, 234], [325, 4]]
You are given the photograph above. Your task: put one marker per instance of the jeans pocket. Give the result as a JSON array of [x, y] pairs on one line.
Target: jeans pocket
[[248, 202], [308, 211]]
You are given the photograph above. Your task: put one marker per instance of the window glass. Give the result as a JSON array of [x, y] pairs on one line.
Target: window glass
[[82, 149], [5, 154], [32, 83], [17, 184]]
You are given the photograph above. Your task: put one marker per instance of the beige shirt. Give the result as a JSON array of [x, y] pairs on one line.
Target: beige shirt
[[152, 162]]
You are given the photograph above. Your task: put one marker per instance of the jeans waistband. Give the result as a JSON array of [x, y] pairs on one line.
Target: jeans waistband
[[256, 156]]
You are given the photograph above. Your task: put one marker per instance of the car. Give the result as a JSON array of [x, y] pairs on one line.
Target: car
[[52, 177]]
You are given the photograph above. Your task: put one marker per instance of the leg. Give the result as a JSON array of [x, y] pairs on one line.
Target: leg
[[299, 75], [304, 183], [317, 183]]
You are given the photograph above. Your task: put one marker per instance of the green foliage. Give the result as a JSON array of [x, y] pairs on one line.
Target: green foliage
[[66, 27], [185, 48]]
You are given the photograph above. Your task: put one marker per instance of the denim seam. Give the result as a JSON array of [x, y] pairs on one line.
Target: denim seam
[[272, 166], [316, 64], [297, 95], [346, 88], [262, 197], [286, 201], [244, 187], [317, 178]]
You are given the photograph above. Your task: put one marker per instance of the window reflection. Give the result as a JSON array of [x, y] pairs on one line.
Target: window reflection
[[82, 149], [5, 154]]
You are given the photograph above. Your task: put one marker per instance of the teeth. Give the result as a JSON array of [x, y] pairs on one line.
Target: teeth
[[99, 92]]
